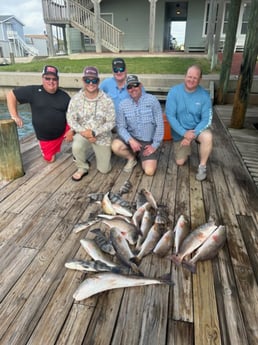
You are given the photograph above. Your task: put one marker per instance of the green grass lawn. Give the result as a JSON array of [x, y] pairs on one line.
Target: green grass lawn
[[137, 65]]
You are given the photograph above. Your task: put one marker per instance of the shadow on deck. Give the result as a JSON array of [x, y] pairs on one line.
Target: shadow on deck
[[217, 305]]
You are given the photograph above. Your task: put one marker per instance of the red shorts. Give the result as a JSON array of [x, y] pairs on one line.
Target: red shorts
[[50, 147]]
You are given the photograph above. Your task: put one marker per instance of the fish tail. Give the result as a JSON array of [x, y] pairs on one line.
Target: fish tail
[[136, 270], [176, 259], [135, 260], [190, 266]]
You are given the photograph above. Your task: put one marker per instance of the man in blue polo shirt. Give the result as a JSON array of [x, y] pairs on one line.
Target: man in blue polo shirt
[[115, 86]]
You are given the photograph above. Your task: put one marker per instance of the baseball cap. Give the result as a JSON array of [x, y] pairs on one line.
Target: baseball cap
[[90, 71], [118, 62], [50, 70], [132, 79]]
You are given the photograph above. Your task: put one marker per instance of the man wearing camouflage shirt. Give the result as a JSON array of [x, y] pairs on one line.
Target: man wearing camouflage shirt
[[91, 114]]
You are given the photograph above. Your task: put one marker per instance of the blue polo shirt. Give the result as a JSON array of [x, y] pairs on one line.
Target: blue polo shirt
[[109, 86]]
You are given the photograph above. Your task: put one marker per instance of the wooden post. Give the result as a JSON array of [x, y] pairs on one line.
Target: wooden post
[[228, 51], [97, 39], [152, 25], [10, 155], [12, 59], [245, 80]]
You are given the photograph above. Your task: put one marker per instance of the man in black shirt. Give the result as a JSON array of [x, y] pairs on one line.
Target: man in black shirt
[[48, 107]]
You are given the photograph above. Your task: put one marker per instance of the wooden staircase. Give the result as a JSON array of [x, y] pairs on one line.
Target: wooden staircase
[[79, 15]]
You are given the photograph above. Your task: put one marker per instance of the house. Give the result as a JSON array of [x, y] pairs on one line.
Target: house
[[40, 42], [139, 25], [12, 39]]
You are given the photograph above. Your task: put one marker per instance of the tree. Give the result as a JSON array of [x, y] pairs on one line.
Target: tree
[[228, 51], [247, 69]]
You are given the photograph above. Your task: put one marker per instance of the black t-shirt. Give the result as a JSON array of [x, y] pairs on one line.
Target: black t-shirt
[[48, 110]]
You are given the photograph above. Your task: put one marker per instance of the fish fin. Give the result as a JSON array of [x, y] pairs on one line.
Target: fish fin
[[190, 266], [96, 231]]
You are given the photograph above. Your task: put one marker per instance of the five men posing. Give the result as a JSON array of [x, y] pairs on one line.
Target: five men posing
[[90, 117]]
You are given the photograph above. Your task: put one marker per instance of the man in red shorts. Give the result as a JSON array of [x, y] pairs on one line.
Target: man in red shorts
[[48, 107]]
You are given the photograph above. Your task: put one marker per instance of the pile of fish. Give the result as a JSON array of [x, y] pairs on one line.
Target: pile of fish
[[205, 241], [132, 231]]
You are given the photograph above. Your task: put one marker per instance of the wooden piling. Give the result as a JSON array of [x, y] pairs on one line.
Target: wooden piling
[[10, 156]]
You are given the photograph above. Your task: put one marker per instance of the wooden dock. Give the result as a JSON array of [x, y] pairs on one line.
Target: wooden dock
[[246, 139], [217, 305]]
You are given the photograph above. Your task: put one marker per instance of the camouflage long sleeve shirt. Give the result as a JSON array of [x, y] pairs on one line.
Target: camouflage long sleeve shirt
[[97, 114]]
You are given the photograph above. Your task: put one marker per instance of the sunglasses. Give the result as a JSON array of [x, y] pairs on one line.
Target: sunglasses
[[50, 79], [119, 69], [93, 81], [130, 86]]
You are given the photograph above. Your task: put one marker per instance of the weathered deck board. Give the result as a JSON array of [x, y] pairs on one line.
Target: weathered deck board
[[246, 139], [39, 210]]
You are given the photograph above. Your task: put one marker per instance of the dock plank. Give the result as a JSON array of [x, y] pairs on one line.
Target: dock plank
[[206, 323]]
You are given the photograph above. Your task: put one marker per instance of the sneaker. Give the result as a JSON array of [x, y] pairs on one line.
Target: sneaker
[[201, 174], [131, 163]]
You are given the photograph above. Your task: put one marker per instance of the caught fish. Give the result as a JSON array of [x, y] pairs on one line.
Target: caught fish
[[164, 244], [123, 250], [103, 243], [209, 249], [195, 238], [85, 225], [107, 281], [126, 187], [181, 230], [106, 205], [93, 266], [122, 210], [150, 198], [117, 199], [146, 224], [138, 214], [95, 196], [95, 252], [150, 242], [129, 230]]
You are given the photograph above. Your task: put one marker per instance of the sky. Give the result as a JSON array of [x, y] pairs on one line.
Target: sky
[[29, 12]]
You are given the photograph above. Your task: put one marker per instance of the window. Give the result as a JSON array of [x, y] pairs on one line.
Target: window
[[245, 18], [208, 8]]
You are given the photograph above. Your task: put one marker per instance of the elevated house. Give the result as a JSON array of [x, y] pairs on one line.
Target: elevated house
[[12, 38], [139, 25]]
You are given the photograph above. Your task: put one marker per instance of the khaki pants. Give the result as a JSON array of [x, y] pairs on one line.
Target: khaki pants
[[81, 149]]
